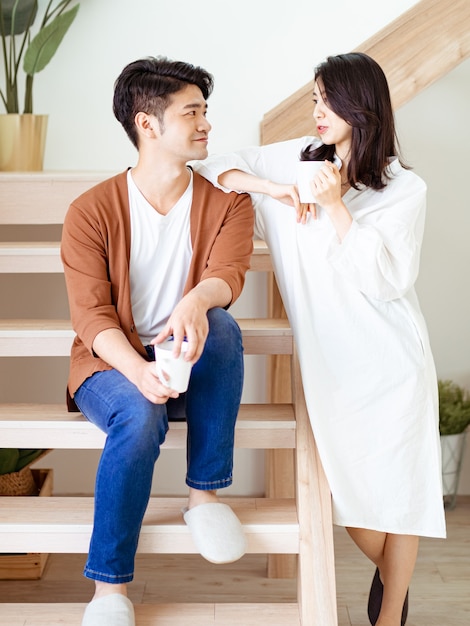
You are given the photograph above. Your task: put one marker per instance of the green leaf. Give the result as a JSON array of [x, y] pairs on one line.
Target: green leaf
[[26, 457], [20, 13], [14, 459], [43, 47], [454, 408], [8, 460]]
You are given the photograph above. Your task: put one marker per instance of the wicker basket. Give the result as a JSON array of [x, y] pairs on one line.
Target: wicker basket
[[28, 566], [20, 483]]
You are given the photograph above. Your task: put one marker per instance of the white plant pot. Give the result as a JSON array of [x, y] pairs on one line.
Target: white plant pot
[[452, 447]]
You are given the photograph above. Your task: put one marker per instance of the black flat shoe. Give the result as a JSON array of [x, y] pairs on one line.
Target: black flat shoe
[[375, 598], [404, 613], [375, 601]]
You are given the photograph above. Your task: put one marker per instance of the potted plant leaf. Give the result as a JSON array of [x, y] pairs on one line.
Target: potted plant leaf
[[16, 477], [24, 55], [454, 419]]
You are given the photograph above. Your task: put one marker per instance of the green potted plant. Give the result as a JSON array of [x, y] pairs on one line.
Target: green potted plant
[[23, 56], [16, 477], [454, 419]]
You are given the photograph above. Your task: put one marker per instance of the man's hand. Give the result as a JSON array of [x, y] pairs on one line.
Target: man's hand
[[112, 346], [149, 385], [188, 321], [189, 318]]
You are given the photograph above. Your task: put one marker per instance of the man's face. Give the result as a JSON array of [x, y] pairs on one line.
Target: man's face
[[185, 129]]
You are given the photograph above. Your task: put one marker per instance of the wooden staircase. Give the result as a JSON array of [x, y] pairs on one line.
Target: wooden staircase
[[299, 525]]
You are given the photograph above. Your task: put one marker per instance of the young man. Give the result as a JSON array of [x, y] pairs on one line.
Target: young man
[[155, 252]]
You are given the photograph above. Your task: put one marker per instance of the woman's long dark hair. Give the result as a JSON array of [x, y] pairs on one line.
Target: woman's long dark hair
[[354, 87]]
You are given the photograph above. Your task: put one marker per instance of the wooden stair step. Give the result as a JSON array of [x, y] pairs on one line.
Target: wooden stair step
[[42, 197], [33, 257], [266, 336], [195, 614], [259, 426], [32, 337], [63, 524], [261, 257], [43, 257]]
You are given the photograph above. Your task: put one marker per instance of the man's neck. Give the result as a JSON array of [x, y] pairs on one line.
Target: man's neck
[[162, 184]]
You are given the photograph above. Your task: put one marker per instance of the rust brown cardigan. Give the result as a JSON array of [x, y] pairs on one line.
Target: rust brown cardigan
[[95, 253]]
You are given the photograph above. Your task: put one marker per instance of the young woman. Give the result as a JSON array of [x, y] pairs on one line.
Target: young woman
[[346, 269]]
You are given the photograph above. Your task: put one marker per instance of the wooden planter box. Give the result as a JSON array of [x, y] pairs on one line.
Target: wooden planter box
[[28, 566]]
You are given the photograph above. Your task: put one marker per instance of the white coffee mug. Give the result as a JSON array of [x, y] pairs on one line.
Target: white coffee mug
[[306, 172], [177, 369]]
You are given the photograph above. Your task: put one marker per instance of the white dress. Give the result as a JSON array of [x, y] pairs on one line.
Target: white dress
[[367, 367]]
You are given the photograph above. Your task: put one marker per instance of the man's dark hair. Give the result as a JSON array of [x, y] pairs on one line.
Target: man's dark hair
[[147, 85]]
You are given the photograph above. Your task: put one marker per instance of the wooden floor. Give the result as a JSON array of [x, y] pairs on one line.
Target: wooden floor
[[439, 596]]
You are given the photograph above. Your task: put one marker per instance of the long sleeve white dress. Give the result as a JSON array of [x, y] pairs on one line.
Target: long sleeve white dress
[[366, 363]]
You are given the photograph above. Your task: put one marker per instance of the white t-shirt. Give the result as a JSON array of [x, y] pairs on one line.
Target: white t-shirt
[[160, 257]]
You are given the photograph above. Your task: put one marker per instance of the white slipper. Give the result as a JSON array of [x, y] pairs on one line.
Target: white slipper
[[216, 532], [111, 610]]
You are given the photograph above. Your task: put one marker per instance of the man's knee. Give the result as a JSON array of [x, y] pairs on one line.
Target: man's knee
[[224, 331], [142, 423]]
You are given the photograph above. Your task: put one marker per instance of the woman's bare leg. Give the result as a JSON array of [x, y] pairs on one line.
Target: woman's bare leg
[[395, 556]]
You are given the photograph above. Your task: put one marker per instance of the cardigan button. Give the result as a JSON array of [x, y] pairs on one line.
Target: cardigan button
[[132, 328]]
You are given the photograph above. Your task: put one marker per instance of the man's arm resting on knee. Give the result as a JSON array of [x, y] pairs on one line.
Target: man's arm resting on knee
[[189, 317]]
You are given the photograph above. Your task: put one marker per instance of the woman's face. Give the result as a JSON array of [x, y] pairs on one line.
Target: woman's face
[[332, 129]]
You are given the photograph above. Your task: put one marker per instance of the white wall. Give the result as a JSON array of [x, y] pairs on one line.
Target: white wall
[[435, 136], [259, 52]]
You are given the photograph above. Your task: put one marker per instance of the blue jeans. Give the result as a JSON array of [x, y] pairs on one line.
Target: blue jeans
[[136, 429]]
